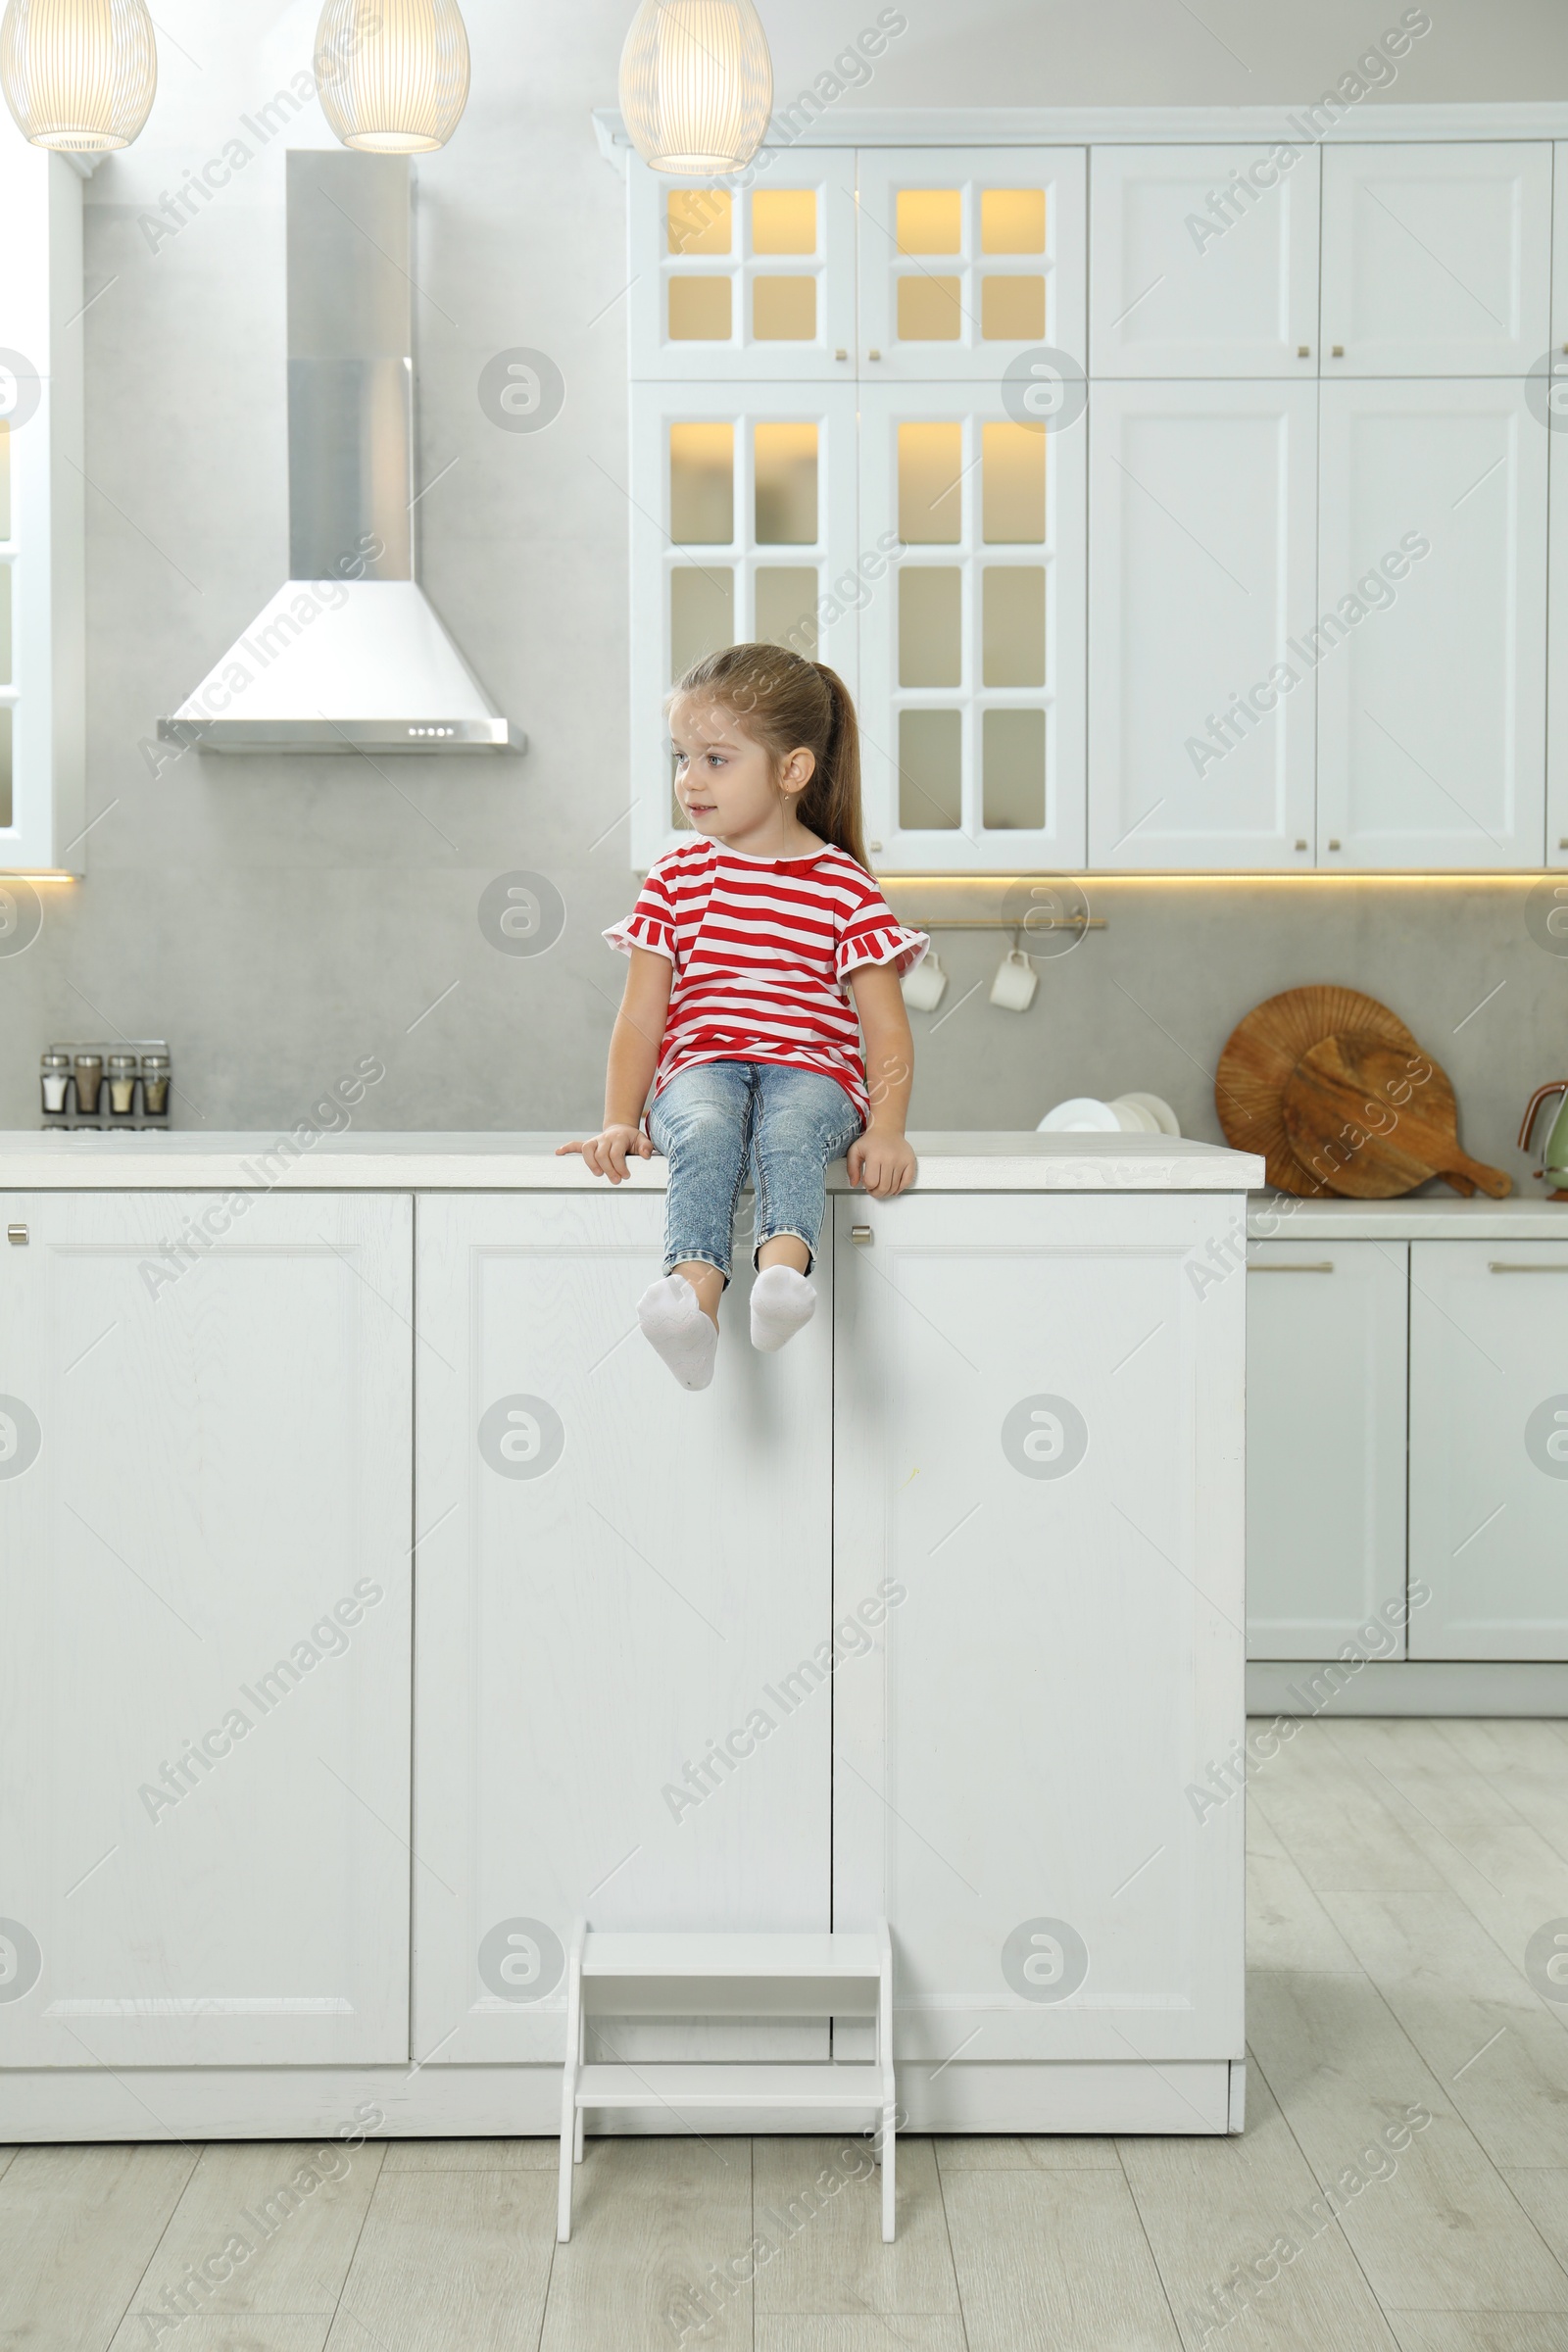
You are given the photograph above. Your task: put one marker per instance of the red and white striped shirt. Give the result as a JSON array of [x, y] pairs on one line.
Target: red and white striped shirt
[[762, 946]]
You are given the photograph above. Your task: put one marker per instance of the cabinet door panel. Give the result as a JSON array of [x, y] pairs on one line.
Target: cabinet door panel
[[1552, 398], [972, 643], [743, 527], [205, 1527], [1038, 1417], [1203, 499], [614, 1575], [1327, 1343], [1204, 262], [733, 282], [969, 258], [1437, 260], [1489, 1450], [1430, 642]]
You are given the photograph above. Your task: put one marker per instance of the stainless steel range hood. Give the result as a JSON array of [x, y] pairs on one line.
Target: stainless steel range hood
[[349, 655]]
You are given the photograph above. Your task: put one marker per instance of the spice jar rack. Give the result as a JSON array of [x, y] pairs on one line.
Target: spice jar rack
[[125, 1083]]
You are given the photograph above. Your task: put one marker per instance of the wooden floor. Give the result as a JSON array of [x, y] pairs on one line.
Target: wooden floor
[[1399, 1872]]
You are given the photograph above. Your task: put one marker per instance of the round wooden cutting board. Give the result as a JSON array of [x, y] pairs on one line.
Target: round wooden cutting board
[[1260, 1061], [1376, 1121]]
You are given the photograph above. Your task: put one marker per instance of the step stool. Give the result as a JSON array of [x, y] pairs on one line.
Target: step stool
[[728, 1975]]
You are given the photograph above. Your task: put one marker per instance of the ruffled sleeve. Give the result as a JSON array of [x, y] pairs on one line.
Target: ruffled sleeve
[[874, 935], [651, 922]]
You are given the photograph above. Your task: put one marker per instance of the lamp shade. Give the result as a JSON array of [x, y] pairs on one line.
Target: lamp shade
[[696, 84], [392, 79], [78, 75]]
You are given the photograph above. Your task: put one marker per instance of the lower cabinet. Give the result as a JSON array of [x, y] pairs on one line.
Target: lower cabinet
[[1327, 1342], [205, 1476], [1024, 1391], [623, 1689], [1488, 1448]]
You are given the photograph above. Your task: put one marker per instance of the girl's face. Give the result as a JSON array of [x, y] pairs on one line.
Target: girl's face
[[728, 785]]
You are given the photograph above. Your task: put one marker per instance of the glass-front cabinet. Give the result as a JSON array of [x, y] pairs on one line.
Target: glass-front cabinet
[[42, 526]]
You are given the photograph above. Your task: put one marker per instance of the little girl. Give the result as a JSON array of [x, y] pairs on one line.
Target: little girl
[[747, 946]]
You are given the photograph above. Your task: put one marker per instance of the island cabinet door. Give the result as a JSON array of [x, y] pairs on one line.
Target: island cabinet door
[[1038, 1412], [206, 1489], [1489, 1450], [624, 1636]]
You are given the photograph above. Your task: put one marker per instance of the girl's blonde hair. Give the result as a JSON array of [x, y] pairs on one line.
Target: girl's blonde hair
[[788, 704]]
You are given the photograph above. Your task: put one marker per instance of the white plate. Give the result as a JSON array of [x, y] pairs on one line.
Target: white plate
[[1160, 1112], [1081, 1115], [1133, 1118]]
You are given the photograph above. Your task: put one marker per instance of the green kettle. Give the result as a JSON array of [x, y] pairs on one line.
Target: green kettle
[[1554, 1159]]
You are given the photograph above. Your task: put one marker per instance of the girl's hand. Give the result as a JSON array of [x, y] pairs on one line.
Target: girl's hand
[[607, 1154], [884, 1163]]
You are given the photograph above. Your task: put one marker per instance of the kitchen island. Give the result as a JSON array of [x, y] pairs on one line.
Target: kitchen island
[[376, 1604]]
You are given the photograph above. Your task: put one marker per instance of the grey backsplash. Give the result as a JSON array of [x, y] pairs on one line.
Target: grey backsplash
[[282, 919]]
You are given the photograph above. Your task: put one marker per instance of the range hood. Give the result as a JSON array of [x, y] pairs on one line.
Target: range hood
[[349, 655]]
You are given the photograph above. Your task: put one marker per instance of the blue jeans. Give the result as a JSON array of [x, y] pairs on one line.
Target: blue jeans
[[711, 1120]]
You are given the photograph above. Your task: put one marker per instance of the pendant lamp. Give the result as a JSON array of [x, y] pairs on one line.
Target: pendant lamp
[[392, 78], [696, 84], [78, 75]]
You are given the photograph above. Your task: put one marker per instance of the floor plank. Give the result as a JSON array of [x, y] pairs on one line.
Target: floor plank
[[1070, 2153], [821, 2201], [1055, 2262], [232, 2332], [653, 2221], [911, 2332], [76, 2228], [1543, 2194], [471, 2155], [1286, 1926], [1500, 2054], [1334, 1827], [450, 2262], [1213, 2209], [249, 2205], [1444, 2233], [1480, 2330]]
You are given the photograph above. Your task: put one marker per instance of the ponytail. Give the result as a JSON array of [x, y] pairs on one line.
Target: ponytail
[[788, 704]]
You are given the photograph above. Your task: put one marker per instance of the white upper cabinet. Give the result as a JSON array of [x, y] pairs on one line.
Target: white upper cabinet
[[1431, 632], [745, 279], [971, 645], [969, 259], [1204, 261], [1436, 260], [1200, 713], [42, 679]]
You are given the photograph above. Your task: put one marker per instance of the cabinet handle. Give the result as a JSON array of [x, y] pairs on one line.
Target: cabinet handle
[[1503, 1265], [16, 1236], [841, 354], [861, 1236], [1315, 1265], [1304, 351], [874, 354], [1338, 353]]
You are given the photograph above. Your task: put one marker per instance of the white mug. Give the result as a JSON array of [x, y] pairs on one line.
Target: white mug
[[1016, 980], [925, 987]]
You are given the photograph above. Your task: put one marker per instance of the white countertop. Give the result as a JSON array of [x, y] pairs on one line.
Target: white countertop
[[1435, 1215], [89, 1160]]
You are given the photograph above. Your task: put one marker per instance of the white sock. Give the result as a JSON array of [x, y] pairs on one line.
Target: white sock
[[783, 1303], [676, 1328]]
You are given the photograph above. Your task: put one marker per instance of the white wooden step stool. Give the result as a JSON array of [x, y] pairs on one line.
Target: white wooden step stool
[[728, 1975]]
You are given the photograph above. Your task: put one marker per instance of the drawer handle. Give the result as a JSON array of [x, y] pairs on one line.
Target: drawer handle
[[16, 1236], [860, 1235], [1315, 1265], [1503, 1265]]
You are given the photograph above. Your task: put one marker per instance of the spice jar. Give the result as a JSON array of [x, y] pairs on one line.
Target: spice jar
[[121, 1069], [54, 1075], [90, 1078], [155, 1085]]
